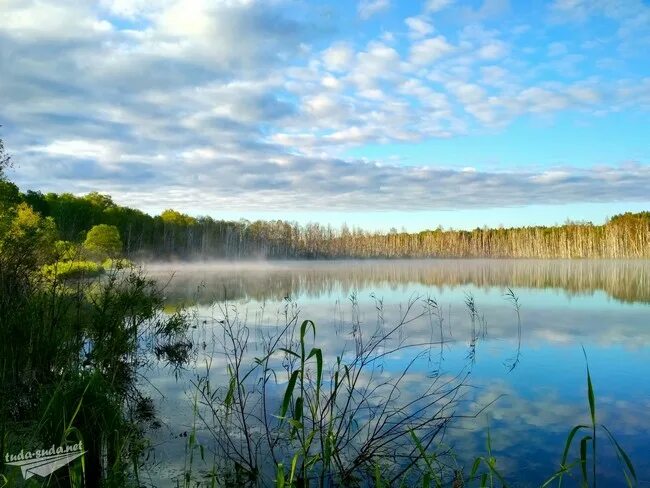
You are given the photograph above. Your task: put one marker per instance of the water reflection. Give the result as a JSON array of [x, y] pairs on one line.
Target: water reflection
[[625, 281], [563, 305]]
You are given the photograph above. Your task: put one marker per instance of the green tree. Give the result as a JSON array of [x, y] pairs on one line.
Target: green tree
[[9, 194], [104, 240], [174, 217], [5, 159], [37, 201], [25, 237], [99, 200]]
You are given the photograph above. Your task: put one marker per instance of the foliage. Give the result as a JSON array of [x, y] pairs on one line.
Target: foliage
[[66, 251], [104, 240], [338, 420], [71, 269], [332, 430], [5, 159], [174, 234], [173, 217], [588, 473], [26, 237], [9, 195], [117, 263], [71, 351]]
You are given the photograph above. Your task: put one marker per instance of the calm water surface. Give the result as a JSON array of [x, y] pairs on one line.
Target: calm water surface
[[603, 306]]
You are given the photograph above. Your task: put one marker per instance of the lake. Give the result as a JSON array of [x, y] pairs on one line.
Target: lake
[[524, 377]]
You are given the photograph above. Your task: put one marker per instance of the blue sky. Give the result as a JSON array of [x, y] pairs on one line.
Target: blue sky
[[377, 113]]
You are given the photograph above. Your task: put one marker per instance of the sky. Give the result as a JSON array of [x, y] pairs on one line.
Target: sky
[[377, 113]]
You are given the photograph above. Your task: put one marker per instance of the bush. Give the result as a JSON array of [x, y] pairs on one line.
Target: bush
[[72, 269], [118, 264], [104, 240]]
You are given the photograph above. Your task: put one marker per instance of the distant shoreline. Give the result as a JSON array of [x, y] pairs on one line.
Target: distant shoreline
[[174, 235]]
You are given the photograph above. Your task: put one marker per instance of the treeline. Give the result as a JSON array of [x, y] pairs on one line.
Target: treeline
[[176, 235]]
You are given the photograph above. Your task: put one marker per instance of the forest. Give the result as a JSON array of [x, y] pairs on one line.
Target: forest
[[174, 235]]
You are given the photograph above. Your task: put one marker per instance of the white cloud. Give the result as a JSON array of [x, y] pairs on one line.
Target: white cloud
[[494, 75], [429, 50], [378, 62], [331, 82], [437, 5], [372, 93], [322, 105], [584, 94], [540, 100], [493, 50], [51, 22], [468, 93], [488, 9], [418, 27], [368, 8], [83, 149], [338, 57], [249, 105], [551, 177]]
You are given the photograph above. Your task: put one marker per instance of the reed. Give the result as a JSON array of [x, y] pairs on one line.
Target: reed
[[336, 421]]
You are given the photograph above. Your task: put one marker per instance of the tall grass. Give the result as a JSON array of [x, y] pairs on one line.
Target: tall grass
[[71, 352], [297, 416], [588, 460], [340, 418]]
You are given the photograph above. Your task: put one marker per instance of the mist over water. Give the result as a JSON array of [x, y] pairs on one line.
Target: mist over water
[[623, 280], [601, 305]]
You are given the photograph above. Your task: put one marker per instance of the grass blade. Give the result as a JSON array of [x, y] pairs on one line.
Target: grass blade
[[583, 459], [289, 393], [622, 455]]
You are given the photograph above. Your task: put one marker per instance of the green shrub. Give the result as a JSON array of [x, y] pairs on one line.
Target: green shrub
[[104, 240], [66, 251], [116, 263], [72, 269]]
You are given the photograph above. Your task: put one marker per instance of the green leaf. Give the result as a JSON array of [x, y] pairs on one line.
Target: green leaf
[[583, 459], [303, 329], [288, 393], [279, 475], [426, 480], [378, 481], [319, 366], [230, 394], [590, 392], [475, 466], [569, 441], [297, 413], [622, 455], [558, 474], [289, 352], [294, 463]]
